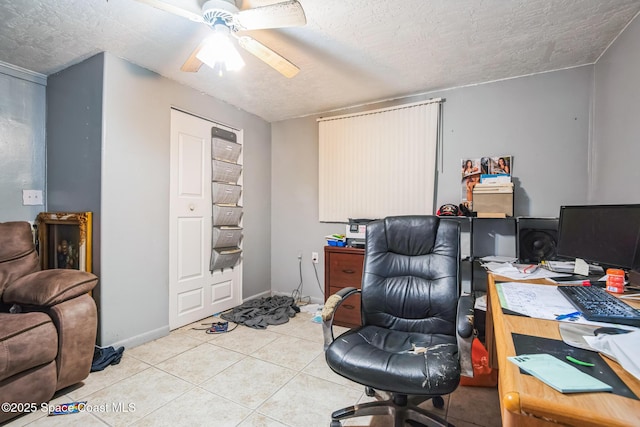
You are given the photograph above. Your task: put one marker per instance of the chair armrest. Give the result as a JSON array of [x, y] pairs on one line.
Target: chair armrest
[[465, 316], [47, 288], [465, 332], [330, 306]]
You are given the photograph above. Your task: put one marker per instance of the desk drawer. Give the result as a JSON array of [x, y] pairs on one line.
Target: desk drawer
[[345, 270], [348, 314]]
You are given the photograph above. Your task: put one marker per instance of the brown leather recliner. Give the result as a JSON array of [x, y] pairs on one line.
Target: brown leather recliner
[[48, 323]]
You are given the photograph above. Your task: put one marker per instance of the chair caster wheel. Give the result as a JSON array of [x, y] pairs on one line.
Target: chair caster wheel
[[438, 402], [335, 423], [369, 391]]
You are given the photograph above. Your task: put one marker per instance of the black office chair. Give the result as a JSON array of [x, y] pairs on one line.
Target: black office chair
[[416, 327]]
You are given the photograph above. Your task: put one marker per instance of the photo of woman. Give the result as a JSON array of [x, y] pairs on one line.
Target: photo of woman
[[500, 165], [470, 177], [470, 167]]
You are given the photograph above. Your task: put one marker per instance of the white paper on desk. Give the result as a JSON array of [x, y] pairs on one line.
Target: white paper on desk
[[561, 266], [481, 303], [511, 272], [498, 259], [581, 267], [500, 268], [540, 273], [623, 347], [569, 267], [539, 301]]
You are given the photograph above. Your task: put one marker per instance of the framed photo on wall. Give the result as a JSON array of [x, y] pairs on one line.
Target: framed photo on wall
[[64, 240]]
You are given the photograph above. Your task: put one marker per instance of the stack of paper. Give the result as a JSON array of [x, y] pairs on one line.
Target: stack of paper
[[502, 187], [569, 267], [498, 178], [519, 271]]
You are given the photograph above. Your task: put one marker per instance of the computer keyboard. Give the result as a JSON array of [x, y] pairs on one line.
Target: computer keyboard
[[597, 305]]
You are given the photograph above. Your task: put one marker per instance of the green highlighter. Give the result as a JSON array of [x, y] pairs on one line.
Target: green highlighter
[[579, 362]]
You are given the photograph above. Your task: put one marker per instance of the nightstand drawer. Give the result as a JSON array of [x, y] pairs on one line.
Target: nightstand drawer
[[345, 269], [348, 314]]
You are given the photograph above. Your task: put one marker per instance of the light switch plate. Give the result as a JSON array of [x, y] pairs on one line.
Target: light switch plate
[[32, 197]]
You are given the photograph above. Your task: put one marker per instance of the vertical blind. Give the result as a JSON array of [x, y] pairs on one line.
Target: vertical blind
[[378, 163]]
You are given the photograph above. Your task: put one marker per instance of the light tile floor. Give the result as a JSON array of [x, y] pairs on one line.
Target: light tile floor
[[275, 377]]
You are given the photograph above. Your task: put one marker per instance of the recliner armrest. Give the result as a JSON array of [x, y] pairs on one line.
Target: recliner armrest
[[330, 306], [47, 288]]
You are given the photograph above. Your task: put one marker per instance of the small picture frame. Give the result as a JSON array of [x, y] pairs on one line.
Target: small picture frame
[[64, 240]]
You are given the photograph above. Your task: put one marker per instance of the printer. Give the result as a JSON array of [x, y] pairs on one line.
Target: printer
[[356, 232]]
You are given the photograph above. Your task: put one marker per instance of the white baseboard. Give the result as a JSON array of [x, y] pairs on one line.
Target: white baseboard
[[313, 300], [264, 294], [140, 339], [164, 331]]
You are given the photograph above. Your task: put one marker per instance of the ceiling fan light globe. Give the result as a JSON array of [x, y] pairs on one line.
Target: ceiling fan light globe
[[219, 52]]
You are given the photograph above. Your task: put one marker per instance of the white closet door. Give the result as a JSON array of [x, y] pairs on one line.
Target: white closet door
[[194, 291]]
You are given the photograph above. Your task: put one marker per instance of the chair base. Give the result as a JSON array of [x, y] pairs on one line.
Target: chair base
[[402, 408]]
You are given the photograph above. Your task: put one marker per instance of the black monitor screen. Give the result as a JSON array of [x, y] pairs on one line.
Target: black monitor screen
[[607, 235]]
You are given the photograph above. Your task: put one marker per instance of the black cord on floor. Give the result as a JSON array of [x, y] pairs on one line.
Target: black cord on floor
[[215, 328]]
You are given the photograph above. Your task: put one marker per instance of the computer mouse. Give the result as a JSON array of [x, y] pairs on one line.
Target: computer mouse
[[610, 331]]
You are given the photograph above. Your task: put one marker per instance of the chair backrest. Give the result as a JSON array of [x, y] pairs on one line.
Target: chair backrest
[[411, 277], [18, 256]]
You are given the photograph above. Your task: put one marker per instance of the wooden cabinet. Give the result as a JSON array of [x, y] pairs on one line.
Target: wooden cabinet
[[342, 269]]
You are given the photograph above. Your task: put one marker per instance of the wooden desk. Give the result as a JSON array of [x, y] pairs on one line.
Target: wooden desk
[[527, 401]]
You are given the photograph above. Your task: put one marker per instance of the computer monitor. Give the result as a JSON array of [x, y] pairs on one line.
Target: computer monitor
[[607, 235]]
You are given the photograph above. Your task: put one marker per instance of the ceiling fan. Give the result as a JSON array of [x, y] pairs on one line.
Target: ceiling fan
[[224, 17]]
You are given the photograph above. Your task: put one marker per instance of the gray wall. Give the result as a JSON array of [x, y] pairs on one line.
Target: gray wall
[[134, 206], [74, 148], [294, 202], [616, 141], [22, 134], [542, 120]]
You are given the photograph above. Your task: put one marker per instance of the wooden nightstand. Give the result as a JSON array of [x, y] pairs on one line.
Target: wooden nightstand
[[342, 269]]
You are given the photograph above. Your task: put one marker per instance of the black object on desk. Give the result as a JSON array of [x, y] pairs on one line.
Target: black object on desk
[[593, 279], [598, 305], [527, 344]]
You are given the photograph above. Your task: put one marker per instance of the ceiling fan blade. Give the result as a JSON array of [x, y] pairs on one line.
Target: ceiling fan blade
[[193, 64], [158, 4], [273, 59], [279, 15]]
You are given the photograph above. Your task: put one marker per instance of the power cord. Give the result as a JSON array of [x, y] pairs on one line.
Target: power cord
[[297, 293], [315, 269]]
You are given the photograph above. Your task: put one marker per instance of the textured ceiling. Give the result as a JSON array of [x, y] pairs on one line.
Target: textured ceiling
[[350, 52]]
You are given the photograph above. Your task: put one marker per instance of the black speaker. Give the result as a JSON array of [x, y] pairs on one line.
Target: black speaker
[[537, 239]]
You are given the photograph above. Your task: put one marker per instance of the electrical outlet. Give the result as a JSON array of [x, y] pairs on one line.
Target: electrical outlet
[[314, 257], [299, 256], [32, 197]]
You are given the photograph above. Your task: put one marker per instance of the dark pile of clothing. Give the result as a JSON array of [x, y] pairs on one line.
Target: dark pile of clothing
[[259, 313], [103, 357]]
